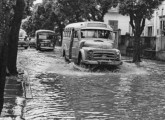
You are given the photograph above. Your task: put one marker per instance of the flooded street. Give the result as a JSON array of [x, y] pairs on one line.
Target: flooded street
[[60, 91]]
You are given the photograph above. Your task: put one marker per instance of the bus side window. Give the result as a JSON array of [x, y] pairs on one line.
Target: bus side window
[[75, 34], [82, 35], [69, 34]]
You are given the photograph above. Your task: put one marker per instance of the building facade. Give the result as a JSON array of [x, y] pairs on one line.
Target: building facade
[[117, 21], [154, 28]]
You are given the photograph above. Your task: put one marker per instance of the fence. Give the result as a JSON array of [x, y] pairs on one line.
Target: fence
[[147, 46]]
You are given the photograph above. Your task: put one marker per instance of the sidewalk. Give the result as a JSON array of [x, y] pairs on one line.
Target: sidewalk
[[14, 98]]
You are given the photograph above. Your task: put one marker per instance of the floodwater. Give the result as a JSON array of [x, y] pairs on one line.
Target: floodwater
[[61, 91]]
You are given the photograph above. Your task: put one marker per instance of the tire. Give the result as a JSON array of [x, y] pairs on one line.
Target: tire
[[81, 64], [65, 58], [38, 48]]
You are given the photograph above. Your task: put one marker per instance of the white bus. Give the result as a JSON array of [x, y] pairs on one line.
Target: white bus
[[90, 43]]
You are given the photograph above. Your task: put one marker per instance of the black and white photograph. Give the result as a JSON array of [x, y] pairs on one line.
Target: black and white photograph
[[82, 59]]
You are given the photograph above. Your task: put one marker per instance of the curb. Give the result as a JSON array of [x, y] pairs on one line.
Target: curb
[[17, 90]]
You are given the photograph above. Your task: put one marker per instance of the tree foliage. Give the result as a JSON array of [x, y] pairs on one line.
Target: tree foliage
[[78, 10], [138, 11], [55, 14]]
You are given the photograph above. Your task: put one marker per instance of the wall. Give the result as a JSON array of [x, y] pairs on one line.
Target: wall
[[147, 46], [160, 55], [160, 43], [123, 21]]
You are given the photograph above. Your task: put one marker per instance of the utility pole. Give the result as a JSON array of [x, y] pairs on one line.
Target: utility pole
[[162, 24]]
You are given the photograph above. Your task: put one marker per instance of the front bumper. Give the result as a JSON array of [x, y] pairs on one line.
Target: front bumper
[[23, 45], [103, 62]]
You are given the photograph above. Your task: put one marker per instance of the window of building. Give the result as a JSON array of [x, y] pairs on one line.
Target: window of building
[[150, 31], [113, 24]]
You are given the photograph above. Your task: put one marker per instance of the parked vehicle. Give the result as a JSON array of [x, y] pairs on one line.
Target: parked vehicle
[[23, 39], [90, 43], [32, 42], [23, 42], [45, 39]]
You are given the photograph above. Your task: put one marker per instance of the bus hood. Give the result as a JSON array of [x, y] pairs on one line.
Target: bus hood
[[98, 43]]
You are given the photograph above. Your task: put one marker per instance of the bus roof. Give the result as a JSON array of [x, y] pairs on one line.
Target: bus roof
[[90, 24], [50, 31]]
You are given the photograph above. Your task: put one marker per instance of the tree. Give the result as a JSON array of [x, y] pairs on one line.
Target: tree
[[56, 14], [13, 36], [138, 11], [6, 13], [69, 11], [20, 10], [11, 13], [78, 10], [96, 9]]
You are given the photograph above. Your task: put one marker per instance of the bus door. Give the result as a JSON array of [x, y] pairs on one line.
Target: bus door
[[75, 44]]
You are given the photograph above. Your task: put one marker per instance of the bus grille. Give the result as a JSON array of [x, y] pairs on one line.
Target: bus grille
[[104, 56]]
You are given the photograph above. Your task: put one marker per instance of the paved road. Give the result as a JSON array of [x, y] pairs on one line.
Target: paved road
[[62, 92]]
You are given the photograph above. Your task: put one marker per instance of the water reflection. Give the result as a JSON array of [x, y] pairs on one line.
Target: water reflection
[[49, 100], [91, 97], [67, 94]]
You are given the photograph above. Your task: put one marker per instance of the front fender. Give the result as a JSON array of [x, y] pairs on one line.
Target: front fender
[[82, 53]]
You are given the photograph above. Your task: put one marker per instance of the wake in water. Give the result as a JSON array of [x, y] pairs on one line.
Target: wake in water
[[72, 69]]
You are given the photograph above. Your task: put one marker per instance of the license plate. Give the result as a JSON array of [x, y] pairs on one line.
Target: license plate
[[103, 63]]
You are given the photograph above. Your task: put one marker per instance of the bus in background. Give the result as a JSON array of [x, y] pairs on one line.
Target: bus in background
[[23, 40], [90, 43], [45, 39]]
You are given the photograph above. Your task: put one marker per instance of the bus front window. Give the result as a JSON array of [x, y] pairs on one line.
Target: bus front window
[[89, 33]]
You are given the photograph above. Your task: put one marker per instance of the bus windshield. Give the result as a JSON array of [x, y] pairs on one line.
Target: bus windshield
[[93, 33], [45, 36]]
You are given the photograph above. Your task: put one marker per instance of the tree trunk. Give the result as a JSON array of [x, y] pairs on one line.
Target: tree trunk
[[61, 35], [136, 54], [3, 59], [137, 33], [4, 28], [13, 38]]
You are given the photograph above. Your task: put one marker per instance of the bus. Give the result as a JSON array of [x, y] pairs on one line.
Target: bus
[[90, 43], [45, 39]]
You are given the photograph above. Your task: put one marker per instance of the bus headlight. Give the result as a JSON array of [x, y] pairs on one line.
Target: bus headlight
[[51, 44], [118, 55]]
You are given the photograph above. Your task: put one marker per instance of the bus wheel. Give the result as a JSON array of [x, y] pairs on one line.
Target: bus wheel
[[38, 48], [25, 47], [80, 63], [65, 58]]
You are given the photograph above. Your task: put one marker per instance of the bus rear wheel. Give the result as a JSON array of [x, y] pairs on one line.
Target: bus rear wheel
[[65, 58]]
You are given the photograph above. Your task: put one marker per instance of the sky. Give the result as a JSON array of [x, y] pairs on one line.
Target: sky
[[37, 1]]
